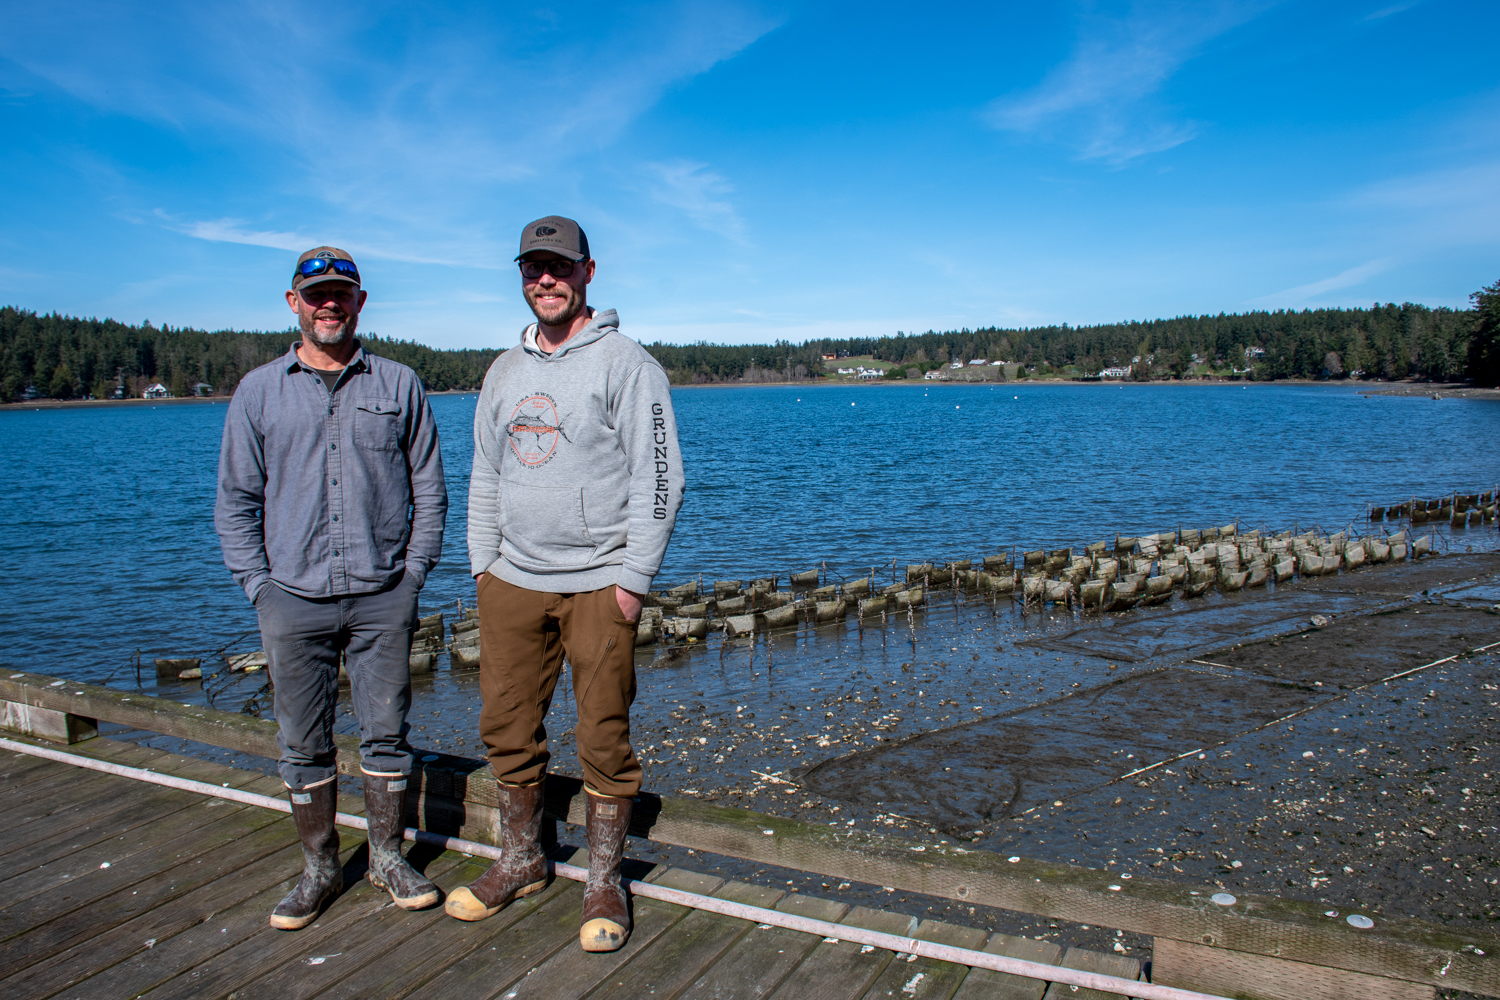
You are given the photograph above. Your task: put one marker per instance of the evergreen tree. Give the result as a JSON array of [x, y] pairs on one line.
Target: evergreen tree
[[1484, 342], [62, 384]]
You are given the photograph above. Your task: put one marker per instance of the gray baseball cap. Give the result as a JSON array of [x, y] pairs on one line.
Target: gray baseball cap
[[563, 237]]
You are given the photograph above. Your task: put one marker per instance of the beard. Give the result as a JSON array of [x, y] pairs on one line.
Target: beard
[[338, 336], [557, 315]]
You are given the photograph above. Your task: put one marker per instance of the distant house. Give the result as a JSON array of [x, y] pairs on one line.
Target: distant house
[[956, 364], [830, 357], [994, 364], [934, 375], [1114, 372], [202, 389], [846, 371], [156, 391], [979, 361], [1255, 352], [871, 373]]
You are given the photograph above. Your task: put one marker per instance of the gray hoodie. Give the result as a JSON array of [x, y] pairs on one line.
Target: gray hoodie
[[577, 478]]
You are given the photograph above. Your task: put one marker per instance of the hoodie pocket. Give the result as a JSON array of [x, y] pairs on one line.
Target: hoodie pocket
[[543, 528]]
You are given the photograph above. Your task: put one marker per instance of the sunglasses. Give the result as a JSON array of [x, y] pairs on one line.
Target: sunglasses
[[556, 268], [322, 265]]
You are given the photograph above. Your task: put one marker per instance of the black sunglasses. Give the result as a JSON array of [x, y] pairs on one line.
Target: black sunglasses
[[322, 265], [556, 268]]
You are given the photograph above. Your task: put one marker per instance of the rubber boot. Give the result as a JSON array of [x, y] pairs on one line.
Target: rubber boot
[[606, 918], [522, 868], [322, 875], [385, 812]]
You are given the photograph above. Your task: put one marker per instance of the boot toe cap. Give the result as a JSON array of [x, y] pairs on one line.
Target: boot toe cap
[[464, 905], [602, 934]]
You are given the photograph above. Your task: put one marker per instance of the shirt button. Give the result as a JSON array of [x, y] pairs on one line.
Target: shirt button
[[335, 482], [330, 411], [333, 447], [335, 551], [335, 517]]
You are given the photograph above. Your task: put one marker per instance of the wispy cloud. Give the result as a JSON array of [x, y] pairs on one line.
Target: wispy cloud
[[420, 116], [1449, 207], [1394, 8], [1101, 99], [234, 231], [699, 193], [1304, 294], [238, 231]]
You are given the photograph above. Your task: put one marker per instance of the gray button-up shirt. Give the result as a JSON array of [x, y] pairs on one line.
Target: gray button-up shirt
[[330, 493]]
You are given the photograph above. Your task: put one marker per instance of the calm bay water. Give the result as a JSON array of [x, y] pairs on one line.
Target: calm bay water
[[108, 510]]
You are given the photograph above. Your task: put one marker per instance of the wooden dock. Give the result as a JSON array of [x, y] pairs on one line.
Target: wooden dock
[[114, 888]]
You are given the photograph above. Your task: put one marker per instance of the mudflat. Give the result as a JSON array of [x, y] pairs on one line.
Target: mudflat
[[1284, 757]]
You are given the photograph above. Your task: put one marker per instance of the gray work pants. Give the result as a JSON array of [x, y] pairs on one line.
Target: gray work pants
[[303, 639]]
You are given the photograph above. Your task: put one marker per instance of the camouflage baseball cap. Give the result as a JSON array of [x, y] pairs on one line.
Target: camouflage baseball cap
[[563, 237]]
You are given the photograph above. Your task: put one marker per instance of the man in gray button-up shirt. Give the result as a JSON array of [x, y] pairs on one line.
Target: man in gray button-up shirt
[[330, 512]]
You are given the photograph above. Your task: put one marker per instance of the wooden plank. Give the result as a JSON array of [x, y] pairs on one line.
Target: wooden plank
[[86, 813], [46, 723], [926, 978], [19, 769], [1256, 977], [118, 944], [1095, 961], [379, 935], [509, 951], [761, 960], [160, 876], [48, 893], [49, 839], [680, 956], [258, 947], [60, 791], [444, 943], [208, 931], [156, 715], [843, 970], [986, 984], [835, 969], [454, 787]]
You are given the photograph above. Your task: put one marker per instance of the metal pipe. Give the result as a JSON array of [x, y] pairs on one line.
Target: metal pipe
[[741, 911]]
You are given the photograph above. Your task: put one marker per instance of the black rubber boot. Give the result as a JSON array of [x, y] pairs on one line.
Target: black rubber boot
[[606, 915], [322, 875], [385, 811], [522, 868]]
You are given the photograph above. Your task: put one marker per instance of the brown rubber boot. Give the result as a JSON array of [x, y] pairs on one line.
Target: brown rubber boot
[[385, 812], [606, 917], [322, 875], [522, 868]]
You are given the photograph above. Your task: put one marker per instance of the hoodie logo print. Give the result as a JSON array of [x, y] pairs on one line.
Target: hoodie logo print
[[534, 429]]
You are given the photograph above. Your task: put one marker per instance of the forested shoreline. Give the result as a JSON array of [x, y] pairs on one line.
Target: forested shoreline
[[65, 357]]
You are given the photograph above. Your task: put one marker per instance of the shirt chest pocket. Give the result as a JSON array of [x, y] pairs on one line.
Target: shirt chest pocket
[[377, 423]]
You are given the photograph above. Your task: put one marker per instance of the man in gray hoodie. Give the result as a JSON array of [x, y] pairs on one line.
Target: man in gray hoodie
[[575, 488]]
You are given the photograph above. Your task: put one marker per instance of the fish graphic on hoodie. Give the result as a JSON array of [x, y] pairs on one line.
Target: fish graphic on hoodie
[[577, 477]]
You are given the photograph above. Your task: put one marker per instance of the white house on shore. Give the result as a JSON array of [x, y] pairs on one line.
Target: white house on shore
[[156, 391], [1114, 372]]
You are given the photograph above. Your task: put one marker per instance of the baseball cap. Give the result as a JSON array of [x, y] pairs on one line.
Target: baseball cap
[[330, 254], [563, 237]]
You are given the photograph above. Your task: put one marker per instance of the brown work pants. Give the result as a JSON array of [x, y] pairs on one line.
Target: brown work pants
[[524, 636]]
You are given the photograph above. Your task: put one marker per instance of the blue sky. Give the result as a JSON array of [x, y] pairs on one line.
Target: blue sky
[[750, 172]]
